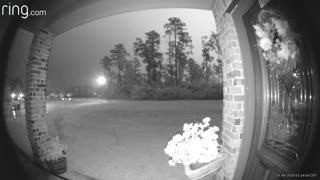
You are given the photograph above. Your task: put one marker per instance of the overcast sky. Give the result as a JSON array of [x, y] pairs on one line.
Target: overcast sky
[[75, 54]]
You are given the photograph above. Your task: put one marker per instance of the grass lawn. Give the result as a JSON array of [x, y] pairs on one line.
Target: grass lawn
[[121, 139]]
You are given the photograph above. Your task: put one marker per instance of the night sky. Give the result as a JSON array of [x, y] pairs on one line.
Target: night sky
[[75, 54]]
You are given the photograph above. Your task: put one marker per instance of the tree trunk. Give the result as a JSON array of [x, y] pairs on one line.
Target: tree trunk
[[160, 69], [149, 77], [207, 72], [175, 57], [119, 75], [154, 72]]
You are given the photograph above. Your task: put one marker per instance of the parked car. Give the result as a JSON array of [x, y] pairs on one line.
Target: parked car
[[66, 97]]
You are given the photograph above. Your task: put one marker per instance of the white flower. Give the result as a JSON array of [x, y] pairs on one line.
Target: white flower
[[198, 143], [171, 163], [177, 137], [260, 32], [265, 43], [267, 27], [187, 126], [281, 26], [284, 51], [206, 120], [55, 150], [215, 128]]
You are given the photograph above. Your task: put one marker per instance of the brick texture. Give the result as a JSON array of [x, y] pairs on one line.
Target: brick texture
[[35, 104], [233, 79]]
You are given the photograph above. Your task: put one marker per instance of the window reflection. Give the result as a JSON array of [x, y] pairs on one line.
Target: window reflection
[[289, 98]]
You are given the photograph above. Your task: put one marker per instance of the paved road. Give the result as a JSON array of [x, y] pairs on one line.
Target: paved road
[[123, 139]]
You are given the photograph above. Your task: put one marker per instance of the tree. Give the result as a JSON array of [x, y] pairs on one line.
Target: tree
[[132, 74], [168, 73], [136, 65], [194, 73], [207, 59], [107, 64], [214, 44], [149, 51], [170, 66], [16, 82], [218, 70], [211, 45], [180, 45], [119, 60]]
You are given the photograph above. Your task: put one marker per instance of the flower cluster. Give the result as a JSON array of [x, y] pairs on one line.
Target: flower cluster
[[197, 143], [275, 37], [55, 150]]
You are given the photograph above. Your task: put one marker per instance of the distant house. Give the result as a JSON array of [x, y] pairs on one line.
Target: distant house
[[17, 93], [14, 95]]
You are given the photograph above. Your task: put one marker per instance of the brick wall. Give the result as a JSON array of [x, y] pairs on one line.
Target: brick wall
[[35, 102], [233, 79]]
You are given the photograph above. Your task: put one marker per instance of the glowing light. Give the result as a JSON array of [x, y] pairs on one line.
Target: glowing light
[[13, 95], [21, 95], [101, 80], [14, 114]]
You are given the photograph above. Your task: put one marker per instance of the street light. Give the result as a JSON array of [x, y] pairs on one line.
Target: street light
[[101, 80]]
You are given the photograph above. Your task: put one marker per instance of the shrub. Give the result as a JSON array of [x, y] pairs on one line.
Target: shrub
[[184, 92], [208, 93], [142, 93], [114, 91], [172, 93]]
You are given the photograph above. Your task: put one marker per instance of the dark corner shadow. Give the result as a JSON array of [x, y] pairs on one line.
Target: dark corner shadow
[[11, 167]]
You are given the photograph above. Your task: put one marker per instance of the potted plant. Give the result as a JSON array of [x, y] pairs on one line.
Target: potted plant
[[197, 149], [55, 156]]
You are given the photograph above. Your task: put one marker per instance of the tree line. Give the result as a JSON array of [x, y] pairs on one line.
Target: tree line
[[166, 75]]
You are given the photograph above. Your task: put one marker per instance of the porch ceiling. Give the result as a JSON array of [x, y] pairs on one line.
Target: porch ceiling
[[63, 15]]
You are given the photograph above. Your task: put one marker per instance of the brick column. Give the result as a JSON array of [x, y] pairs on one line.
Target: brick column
[[233, 90], [35, 104]]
